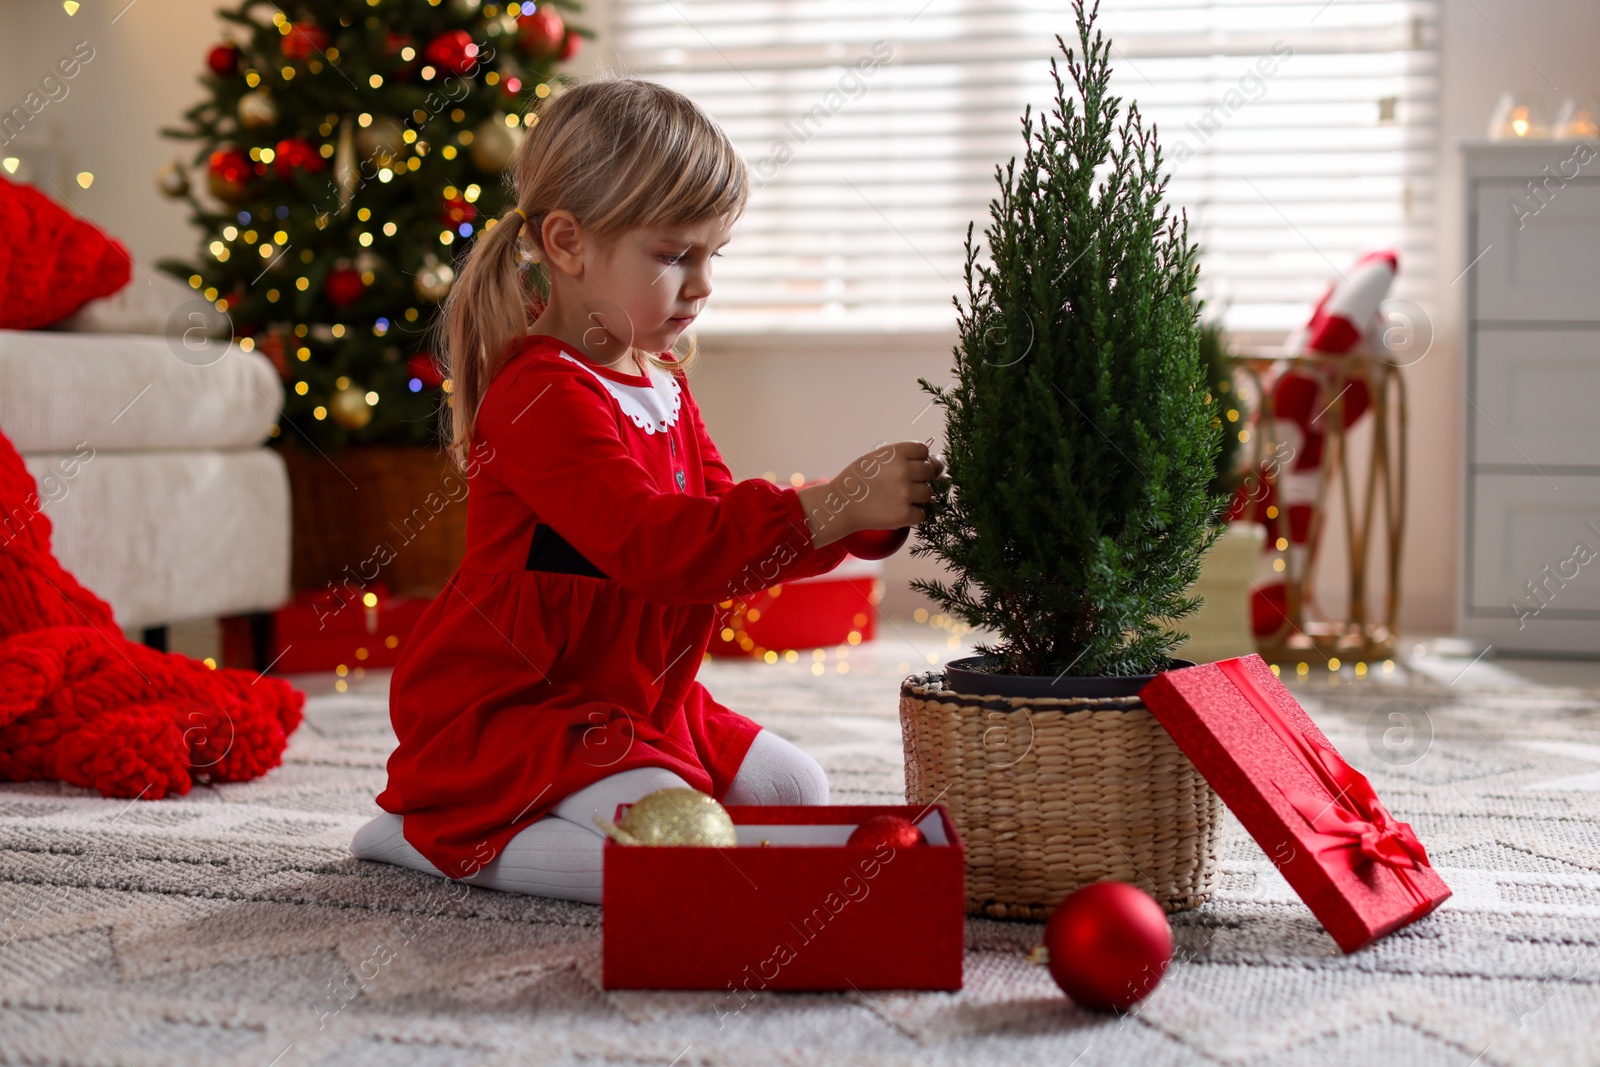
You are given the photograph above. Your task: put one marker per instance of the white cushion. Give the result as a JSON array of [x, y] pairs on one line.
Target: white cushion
[[152, 302], [168, 536], [122, 392]]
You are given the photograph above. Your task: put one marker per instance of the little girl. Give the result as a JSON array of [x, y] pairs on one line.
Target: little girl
[[554, 677]]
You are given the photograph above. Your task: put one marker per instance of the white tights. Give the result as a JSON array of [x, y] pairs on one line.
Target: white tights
[[560, 854]]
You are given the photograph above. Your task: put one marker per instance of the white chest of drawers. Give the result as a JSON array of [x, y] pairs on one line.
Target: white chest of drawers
[[1530, 546]]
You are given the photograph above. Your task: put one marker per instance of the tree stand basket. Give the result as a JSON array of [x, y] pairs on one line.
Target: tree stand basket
[[1051, 794]]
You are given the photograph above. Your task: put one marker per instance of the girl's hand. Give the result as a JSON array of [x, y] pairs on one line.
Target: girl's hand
[[878, 491]]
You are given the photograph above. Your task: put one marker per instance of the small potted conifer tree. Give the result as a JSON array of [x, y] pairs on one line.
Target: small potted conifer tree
[[1081, 441]]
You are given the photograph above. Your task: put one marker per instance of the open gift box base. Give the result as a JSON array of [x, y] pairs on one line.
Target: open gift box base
[[805, 911]]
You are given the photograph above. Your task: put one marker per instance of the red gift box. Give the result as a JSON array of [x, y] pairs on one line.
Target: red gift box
[[1362, 873], [814, 612], [807, 911], [321, 631]]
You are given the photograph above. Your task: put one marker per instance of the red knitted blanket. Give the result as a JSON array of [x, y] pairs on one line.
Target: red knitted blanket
[[81, 704]]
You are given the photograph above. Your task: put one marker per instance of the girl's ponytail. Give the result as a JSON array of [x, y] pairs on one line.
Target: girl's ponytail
[[485, 312]]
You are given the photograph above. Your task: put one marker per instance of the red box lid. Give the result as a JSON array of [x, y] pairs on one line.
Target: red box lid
[[788, 916], [1360, 871]]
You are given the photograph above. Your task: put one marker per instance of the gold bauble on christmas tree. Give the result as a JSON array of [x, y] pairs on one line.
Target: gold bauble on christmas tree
[[257, 109], [345, 170], [674, 817], [493, 145], [382, 140], [172, 180], [349, 408], [434, 279]]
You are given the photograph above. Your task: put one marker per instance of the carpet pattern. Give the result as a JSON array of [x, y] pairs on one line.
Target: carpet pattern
[[232, 927]]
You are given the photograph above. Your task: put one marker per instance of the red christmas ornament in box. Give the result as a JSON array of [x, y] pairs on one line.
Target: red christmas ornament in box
[[792, 906], [304, 40], [1109, 945], [542, 34], [295, 153], [570, 46], [893, 830], [350, 626], [453, 51], [1361, 871], [224, 60]]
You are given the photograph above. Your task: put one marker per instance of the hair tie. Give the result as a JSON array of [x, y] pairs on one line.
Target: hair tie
[[521, 212]]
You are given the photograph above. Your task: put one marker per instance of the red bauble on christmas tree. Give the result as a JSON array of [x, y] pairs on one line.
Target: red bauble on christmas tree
[[344, 287], [542, 34], [230, 174], [304, 40], [224, 60], [1109, 945], [295, 153], [425, 369], [455, 211], [396, 43], [453, 51]]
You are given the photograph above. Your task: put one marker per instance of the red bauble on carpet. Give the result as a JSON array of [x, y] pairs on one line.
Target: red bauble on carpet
[[1109, 945]]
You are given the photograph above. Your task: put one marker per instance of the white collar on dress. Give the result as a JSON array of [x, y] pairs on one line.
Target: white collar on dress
[[654, 407]]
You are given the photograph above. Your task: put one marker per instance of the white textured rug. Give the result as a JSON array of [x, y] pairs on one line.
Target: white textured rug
[[231, 926]]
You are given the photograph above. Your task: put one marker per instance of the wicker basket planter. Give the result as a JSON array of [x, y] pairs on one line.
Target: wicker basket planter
[[1054, 793]]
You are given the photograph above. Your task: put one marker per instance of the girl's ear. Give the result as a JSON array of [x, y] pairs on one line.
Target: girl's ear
[[564, 242]]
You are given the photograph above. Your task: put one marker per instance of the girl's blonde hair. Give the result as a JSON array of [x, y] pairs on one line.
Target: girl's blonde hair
[[618, 153]]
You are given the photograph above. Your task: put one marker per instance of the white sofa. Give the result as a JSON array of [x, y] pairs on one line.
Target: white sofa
[[148, 451]]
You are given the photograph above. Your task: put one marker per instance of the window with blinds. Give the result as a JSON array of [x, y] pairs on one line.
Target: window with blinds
[[1298, 135]]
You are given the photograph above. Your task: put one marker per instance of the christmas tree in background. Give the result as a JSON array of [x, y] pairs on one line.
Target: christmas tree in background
[[350, 149]]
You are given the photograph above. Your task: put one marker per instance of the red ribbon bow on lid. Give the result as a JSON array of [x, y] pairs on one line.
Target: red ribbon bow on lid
[[1368, 831], [1369, 827]]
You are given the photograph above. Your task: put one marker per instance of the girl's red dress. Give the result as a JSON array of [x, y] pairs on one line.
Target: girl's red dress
[[602, 529]]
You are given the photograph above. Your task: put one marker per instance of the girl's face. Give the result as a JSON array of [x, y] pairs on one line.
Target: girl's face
[[644, 287]]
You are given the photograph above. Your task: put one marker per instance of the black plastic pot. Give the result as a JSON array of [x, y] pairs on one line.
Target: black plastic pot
[[968, 675]]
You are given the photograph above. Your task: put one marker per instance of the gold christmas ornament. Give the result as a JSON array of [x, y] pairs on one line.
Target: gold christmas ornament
[[345, 171], [349, 408], [257, 109], [464, 8], [674, 817], [493, 145], [382, 141], [172, 180], [434, 279]]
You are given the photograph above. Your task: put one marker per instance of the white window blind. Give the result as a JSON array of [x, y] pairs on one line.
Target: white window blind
[[1298, 135]]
